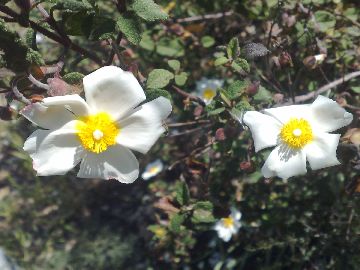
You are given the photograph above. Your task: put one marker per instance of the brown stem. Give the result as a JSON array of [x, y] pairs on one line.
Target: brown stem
[[189, 96], [325, 88]]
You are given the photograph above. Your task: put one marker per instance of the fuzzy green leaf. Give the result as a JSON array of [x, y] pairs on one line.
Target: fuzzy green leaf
[[152, 94], [233, 48], [73, 78], [236, 89], [203, 212], [159, 78], [175, 222], [148, 10], [221, 61], [207, 41], [130, 27], [182, 193], [174, 64], [181, 78]]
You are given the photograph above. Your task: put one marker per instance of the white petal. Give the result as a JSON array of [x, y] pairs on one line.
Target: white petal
[[53, 152], [141, 129], [321, 153], [110, 89], [54, 112], [327, 115], [283, 114], [224, 233], [117, 162], [284, 162], [264, 129], [235, 214]]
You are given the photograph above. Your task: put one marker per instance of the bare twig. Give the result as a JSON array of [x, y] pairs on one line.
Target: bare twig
[[189, 96], [204, 17], [189, 131], [19, 96], [188, 123], [38, 83], [325, 88]]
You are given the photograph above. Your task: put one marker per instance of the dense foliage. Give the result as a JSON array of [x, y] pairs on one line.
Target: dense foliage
[[264, 51]]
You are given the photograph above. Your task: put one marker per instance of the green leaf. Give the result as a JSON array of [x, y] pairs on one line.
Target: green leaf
[[221, 61], [175, 222], [356, 89], [240, 65], [207, 41], [147, 42], [203, 212], [236, 89], [263, 95], [170, 47], [181, 78], [72, 6], [130, 27], [73, 78], [148, 10], [233, 48], [159, 78], [152, 94], [182, 193], [174, 64], [216, 111], [325, 20]]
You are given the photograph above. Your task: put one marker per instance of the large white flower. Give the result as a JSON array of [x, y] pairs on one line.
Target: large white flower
[[99, 132], [300, 133], [226, 227], [206, 88]]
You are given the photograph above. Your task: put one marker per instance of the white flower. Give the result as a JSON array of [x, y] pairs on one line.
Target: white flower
[[300, 133], [152, 169], [226, 227], [99, 132], [206, 88]]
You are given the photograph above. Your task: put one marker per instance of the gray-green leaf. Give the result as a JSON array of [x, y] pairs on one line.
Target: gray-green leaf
[[148, 10], [130, 27], [159, 78]]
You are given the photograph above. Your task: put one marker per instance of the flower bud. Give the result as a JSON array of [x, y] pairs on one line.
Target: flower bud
[[6, 113], [285, 59], [220, 134]]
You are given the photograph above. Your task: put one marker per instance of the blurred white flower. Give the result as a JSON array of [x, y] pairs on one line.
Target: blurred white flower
[[226, 227], [99, 132], [206, 88], [300, 133], [152, 169]]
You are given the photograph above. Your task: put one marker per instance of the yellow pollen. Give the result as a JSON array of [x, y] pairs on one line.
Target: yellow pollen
[[228, 222], [97, 132], [208, 94], [296, 133], [154, 169]]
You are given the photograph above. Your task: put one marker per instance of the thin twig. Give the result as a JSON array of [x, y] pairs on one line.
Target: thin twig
[[324, 88], [188, 123], [189, 131], [19, 96], [38, 83], [204, 17], [189, 96], [195, 152]]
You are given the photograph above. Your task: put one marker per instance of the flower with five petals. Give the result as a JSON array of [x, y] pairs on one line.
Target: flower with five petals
[[98, 133], [300, 133]]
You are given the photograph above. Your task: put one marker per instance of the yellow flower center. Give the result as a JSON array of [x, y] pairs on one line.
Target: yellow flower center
[[97, 132], [208, 94], [228, 222], [154, 169], [296, 133], [160, 232]]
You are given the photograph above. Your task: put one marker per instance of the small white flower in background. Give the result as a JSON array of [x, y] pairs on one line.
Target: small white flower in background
[[226, 227], [152, 169], [206, 88], [300, 133], [99, 132]]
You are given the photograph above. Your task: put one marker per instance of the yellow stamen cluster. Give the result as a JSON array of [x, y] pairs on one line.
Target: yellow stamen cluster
[[154, 169], [208, 94], [296, 133], [97, 132], [228, 222]]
